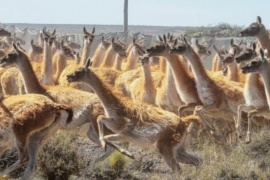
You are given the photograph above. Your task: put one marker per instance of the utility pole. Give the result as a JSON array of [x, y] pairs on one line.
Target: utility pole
[[125, 15]]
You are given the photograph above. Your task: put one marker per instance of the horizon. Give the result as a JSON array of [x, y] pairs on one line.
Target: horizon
[[172, 13]]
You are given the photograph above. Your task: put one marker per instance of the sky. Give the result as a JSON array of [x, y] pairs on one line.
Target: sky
[[141, 12]]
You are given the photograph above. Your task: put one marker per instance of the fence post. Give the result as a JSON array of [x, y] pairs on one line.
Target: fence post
[[125, 15]]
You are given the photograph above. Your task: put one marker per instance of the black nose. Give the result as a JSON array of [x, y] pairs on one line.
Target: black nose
[[241, 34]]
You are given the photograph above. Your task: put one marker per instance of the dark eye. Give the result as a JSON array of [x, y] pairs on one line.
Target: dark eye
[[253, 62]]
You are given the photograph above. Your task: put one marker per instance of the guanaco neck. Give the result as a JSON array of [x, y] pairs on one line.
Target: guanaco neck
[[251, 80], [85, 52], [118, 63], [233, 73], [148, 82], [162, 64], [265, 74], [61, 63], [47, 70], [197, 66], [30, 80], [170, 87], [184, 82], [132, 59], [109, 58], [98, 56], [107, 98], [216, 64], [263, 38], [31, 55]]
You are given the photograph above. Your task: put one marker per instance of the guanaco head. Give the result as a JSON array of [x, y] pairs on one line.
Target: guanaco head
[[72, 44], [201, 49], [36, 48], [4, 32], [105, 42], [66, 51], [81, 73], [40, 40], [139, 47], [119, 48], [257, 64], [253, 29], [89, 37], [220, 52], [179, 47], [19, 45], [12, 57], [229, 57], [247, 54], [144, 59], [48, 37], [161, 47], [18, 39], [236, 47]]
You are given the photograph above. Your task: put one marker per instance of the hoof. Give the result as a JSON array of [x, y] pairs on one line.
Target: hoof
[[248, 140]]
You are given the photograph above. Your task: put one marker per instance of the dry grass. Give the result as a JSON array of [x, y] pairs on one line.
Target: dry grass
[[241, 161]]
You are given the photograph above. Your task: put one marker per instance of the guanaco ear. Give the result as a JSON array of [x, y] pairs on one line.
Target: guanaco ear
[[215, 48], [15, 46], [164, 38], [185, 41], [262, 53], [197, 42], [240, 43], [113, 40], [168, 35], [171, 38], [54, 32], [234, 51], [160, 38], [32, 42], [133, 40], [94, 29], [87, 64], [175, 42], [259, 20], [84, 30], [231, 42], [254, 46], [62, 44], [44, 31]]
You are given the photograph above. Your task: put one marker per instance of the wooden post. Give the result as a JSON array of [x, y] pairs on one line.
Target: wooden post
[[125, 15]]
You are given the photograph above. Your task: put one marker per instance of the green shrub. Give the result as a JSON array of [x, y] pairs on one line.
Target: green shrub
[[58, 159], [117, 161]]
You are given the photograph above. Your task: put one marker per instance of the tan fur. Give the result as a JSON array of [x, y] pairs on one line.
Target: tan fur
[[220, 98], [143, 89], [184, 82], [261, 33], [139, 123], [132, 59], [25, 116], [99, 55], [109, 58], [11, 82], [47, 70], [88, 40], [86, 106]]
